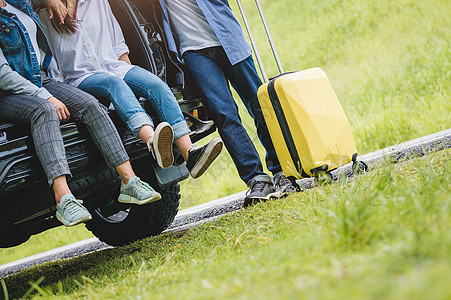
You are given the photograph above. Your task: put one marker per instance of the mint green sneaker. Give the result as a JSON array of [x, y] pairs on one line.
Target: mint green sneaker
[[138, 192], [70, 211]]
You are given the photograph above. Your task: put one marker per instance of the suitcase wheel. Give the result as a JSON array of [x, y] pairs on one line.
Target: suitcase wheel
[[323, 178], [358, 167]]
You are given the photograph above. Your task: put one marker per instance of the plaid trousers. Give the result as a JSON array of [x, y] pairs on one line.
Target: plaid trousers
[[41, 114]]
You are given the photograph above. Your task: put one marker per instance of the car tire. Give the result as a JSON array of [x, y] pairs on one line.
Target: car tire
[[129, 223]]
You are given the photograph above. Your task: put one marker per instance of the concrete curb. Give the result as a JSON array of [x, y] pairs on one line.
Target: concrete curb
[[193, 216]]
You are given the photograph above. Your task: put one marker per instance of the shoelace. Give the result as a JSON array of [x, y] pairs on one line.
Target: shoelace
[[72, 206], [141, 187], [192, 148], [258, 186], [283, 180]]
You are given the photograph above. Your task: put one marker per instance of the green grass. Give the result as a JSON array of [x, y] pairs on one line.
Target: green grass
[[389, 62], [383, 235]]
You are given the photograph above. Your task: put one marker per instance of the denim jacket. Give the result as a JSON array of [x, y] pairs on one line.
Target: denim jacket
[[224, 24], [20, 72]]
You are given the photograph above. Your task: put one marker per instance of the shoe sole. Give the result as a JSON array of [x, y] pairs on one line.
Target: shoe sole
[[211, 152], [253, 201], [162, 145], [65, 223], [276, 195], [132, 200], [281, 195]]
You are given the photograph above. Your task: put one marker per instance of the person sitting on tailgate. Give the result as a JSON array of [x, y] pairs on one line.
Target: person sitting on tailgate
[[91, 54]]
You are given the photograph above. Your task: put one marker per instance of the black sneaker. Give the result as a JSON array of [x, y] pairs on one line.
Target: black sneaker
[[200, 158], [284, 186], [259, 191]]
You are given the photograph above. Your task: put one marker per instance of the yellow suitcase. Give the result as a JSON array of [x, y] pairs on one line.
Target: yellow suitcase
[[307, 124]]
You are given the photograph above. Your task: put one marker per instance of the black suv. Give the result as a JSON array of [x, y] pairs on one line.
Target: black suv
[[27, 204]]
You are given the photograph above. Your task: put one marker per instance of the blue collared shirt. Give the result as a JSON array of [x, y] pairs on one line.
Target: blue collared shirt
[[224, 24]]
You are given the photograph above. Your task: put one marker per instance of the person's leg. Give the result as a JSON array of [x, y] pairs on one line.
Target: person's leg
[[245, 80], [149, 86], [42, 117], [49, 146], [114, 89], [129, 109], [221, 107], [117, 91], [88, 110]]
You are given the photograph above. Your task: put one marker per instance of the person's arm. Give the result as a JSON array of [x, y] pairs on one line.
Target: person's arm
[[124, 57], [116, 35], [55, 7], [13, 82]]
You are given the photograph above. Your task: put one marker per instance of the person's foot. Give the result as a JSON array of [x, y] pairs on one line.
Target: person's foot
[[284, 186], [70, 211], [138, 192], [160, 145], [200, 158], [259, 191]]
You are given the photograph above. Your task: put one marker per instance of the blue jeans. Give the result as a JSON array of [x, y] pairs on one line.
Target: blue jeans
[[212, 71], [123, 94]]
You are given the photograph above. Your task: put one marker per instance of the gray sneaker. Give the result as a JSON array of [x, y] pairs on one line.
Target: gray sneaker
[[284, 186], [160, 145], [70, 211], [259, 191], [138, 192]]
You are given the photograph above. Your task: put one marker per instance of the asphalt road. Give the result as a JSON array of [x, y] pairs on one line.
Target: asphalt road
[[209, 211]]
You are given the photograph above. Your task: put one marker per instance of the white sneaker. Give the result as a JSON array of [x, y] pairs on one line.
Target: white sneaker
[[160, 145]]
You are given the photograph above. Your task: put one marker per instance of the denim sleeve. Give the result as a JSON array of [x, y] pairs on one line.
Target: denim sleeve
[[13, 82]]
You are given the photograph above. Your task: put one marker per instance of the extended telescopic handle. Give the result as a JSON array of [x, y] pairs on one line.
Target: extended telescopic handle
[[271, 43], [254, 46]]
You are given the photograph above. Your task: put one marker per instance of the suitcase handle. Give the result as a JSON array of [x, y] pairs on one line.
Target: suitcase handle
[[254, 46]]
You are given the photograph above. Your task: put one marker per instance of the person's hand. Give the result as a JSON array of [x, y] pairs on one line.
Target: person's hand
[[126, 58], [61, 109], [58, 8]]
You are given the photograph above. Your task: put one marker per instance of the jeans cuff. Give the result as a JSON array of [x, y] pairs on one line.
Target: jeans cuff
[[277, 175], [180, 129], [262, 177], [138, 120]]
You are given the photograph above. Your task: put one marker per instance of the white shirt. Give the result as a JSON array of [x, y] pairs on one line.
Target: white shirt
[[30, 27], [190, 25], [94, 48]]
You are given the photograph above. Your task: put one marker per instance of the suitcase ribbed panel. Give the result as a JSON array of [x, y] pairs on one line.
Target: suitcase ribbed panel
[[283, 123]]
